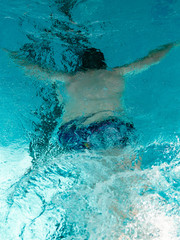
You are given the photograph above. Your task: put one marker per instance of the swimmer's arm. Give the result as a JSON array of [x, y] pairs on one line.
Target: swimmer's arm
[[142, 64], [36, 70]]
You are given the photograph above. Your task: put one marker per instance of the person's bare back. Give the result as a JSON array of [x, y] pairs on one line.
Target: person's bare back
[[93, 93]]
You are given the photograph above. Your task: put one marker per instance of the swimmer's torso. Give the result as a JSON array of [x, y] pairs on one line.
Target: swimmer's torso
[[92, 92]]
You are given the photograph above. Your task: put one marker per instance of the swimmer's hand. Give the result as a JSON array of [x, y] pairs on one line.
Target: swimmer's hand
[[176, 44]]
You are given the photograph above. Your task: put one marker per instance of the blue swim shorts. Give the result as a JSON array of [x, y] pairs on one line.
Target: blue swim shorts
[[99, 135]]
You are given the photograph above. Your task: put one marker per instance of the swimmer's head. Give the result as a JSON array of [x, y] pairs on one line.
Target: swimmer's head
[[92, 58]]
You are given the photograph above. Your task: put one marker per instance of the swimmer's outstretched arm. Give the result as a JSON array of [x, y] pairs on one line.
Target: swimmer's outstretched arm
[[39, 72], [36, 70], [142, 64]]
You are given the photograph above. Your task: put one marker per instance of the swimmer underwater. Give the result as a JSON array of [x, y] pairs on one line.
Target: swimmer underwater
[[93, 114]]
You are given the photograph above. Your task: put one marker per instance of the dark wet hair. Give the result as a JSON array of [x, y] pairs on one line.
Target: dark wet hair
[[92, 58]]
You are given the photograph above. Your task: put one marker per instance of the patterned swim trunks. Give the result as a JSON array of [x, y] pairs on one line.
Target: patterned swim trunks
[[99, 135]]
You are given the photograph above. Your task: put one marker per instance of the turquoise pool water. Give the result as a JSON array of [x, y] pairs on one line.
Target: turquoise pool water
[[47, 194]]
